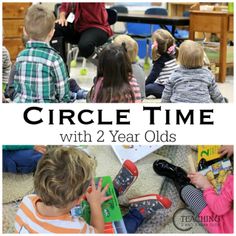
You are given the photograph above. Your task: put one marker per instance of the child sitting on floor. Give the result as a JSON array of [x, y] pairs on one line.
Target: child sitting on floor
[[164, 62], [191, 82], [61, 180], [76, 92], [215, 211], [132, 50], [115, 82], [41, 75]]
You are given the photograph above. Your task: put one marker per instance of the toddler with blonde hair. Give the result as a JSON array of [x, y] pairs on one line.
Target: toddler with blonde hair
[[164, 62], [192, 82]]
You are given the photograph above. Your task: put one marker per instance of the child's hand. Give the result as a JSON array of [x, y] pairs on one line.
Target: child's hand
[[199, 180], [96, 196], [227, 150]]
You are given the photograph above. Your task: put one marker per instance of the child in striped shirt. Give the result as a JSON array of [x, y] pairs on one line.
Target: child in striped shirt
[[164, 62], [61, 180]]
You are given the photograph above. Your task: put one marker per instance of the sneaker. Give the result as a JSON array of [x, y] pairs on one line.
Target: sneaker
[[82, 94], [126, 177], [147, 205]]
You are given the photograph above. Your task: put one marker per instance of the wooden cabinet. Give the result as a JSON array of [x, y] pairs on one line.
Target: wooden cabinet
[[13, 23]]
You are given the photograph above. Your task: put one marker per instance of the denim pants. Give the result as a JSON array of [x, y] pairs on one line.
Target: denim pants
[[20, 161]]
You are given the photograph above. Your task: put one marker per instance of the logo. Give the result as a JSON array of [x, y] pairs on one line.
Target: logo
[[184, 219]]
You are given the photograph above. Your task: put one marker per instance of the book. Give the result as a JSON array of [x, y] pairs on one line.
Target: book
[[133, 152], [217, 173], [208, 152], [111, 210]]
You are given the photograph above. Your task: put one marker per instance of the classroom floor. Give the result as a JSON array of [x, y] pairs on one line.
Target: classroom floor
[[86, 81]]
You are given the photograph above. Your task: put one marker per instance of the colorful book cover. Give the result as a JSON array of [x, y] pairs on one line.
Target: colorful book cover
[[217, 173], [208, 152]]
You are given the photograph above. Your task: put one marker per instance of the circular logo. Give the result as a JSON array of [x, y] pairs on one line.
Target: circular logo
[[184, 219]]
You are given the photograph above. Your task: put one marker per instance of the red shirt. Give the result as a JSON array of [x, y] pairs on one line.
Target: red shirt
[[88, 15]]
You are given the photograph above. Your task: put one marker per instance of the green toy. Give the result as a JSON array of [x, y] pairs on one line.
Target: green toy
[[110, 208]]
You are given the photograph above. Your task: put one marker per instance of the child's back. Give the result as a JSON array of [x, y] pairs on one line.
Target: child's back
[[41, 75], [192, 86], [191, 82], [29, 220]]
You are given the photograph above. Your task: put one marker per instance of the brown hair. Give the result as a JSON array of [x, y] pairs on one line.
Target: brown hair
[[130, 44], [164, 40], [191, 54], [115, 68], [39, 21], [63, 175]]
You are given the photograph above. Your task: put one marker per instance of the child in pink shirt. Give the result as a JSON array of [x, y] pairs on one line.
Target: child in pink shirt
[[217, 216], [215, 211]]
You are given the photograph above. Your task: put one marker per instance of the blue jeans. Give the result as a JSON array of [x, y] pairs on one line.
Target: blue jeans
[[20, 161], [133, 219], [154, 89]]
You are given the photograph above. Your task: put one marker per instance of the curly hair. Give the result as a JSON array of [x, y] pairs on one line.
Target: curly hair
[[63, 175]]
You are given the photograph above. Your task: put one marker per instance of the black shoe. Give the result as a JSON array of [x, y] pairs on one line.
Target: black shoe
[[177, 174]]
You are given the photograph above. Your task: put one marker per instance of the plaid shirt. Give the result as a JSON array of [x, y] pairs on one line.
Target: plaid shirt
[[41, 75]]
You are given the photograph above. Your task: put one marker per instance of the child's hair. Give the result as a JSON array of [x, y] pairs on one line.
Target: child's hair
[[115, 68], [165, 43], [191, 54], [39, 21], [130, 44], [63, 175]]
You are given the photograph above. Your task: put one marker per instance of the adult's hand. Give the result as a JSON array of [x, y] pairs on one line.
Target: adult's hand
[[62, 22]]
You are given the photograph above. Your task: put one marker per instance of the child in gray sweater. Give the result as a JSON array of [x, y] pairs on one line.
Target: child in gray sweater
[[191, 82]]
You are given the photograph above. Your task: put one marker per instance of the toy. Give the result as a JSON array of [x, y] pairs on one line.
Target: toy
[[110, 208]]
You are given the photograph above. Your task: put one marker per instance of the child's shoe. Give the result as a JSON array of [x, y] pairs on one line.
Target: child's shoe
[[126, 177], [176, 173], [81, 94], [147, 205]]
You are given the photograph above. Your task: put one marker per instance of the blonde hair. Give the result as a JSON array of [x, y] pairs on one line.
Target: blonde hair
[[130, 45], [164, 40], [63, 175], [39, 22], [191, 54]]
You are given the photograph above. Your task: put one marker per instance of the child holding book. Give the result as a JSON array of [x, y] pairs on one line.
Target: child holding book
[[215, 211], [41, 75], [191, 82], [132, 50], [164, 62], [64, 177], [115, 82]]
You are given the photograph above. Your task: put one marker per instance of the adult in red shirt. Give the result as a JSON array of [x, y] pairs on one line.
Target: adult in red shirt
[[85, 24]]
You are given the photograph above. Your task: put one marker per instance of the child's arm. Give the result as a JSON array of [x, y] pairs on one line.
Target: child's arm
[[95, 197], [61, 81], [215, 93], [156, 70], [167, 92], [6, 65], [219, 204]]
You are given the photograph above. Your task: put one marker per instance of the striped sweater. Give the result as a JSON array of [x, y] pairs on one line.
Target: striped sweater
[[192, 86], [162, 69], [28, 220]]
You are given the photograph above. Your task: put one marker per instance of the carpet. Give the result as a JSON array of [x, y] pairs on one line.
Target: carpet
[[16, 186]]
